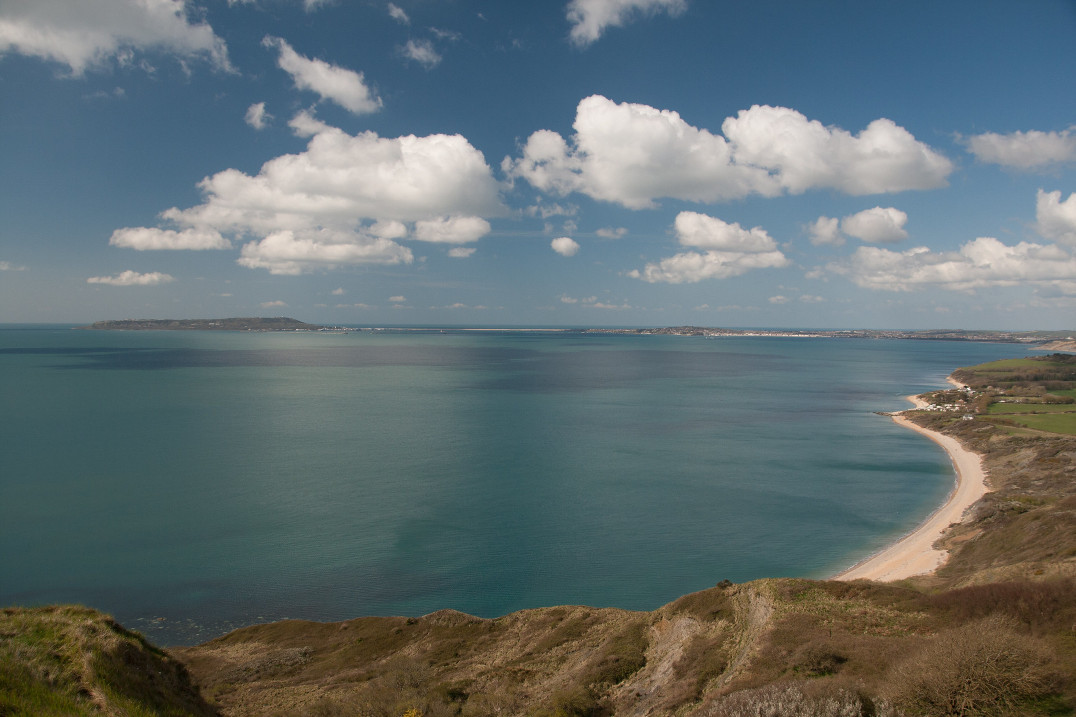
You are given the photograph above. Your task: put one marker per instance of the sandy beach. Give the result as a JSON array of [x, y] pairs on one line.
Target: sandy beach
[[914, 554]]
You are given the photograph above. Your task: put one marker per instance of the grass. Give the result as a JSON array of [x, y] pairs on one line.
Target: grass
[[1031, 408], [72, 660]]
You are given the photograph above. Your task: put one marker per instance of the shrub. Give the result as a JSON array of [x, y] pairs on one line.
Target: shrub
[[789, 699], [982, 668]]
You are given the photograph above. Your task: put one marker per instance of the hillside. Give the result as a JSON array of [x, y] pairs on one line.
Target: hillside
[[75, 661]]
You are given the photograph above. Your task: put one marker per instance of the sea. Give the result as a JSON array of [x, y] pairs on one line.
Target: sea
[[189, 483]]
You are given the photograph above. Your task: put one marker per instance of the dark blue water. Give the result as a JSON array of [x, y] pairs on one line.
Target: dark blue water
[[192, 482]]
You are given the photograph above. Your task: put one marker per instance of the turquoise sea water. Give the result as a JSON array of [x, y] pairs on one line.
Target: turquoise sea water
[[192, 482]]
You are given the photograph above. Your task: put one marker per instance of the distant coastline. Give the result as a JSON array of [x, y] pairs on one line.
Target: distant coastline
[[1047, 340]]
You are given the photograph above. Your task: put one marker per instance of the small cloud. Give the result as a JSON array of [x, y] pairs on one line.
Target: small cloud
[[825, 231], [338, 292], [730, 250], [442, 34], [397, 13], [273, 304], [132, 278], [876, 225], [565, 299], [590, 18], [305, 124], [611, 233], [461, 252], [452, 229], [8, 266], [345, 87], [257, 117], [565, 246], [151, 239], [397, 299], [811, 299], [778, 299], [545, 211], [422, 52]]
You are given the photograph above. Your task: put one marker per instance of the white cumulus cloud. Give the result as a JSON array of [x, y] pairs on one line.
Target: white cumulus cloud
[[345, 200], [342, 179], [981, 263], [132, 278], [825, 231], [345, 87], [634, 154], [565, 246], [298, 252], [1025, 150], [804, 154], [257, 117], [876, 225], [1056, 219], [150, 238], [86, 35], [461, 252], [731, 251], [706, 232], [590, 18]]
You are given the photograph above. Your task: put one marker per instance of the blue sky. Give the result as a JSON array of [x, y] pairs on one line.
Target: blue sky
[[585, 162]]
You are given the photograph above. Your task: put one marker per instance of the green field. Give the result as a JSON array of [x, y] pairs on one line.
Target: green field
[[1054, 423], [1002, 408]]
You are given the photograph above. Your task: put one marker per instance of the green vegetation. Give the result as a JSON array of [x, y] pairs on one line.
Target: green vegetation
[[1037, 393], [76, 661]]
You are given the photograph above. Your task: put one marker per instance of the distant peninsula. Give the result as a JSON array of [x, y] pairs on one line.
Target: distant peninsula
[[279, 323]]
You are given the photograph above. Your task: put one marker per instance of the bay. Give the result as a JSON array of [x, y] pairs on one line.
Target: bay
[[193, 482]]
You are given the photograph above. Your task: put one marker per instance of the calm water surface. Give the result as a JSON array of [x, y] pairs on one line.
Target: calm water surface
[[192, 482]]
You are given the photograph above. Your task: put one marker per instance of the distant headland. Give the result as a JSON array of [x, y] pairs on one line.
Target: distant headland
[[279, 323]]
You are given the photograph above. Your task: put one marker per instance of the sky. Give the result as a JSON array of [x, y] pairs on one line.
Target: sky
[[833, 164]]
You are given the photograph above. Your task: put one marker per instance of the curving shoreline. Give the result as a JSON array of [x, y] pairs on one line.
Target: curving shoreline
[[914, 554]]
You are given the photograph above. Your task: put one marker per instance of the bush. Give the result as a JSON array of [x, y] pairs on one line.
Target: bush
[[985, 667], [789, 699]]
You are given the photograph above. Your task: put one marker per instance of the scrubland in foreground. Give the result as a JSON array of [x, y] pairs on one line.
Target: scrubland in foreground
[[991, 632]]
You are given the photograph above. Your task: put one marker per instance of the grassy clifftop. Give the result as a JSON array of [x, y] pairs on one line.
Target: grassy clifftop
[[75, 661]]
